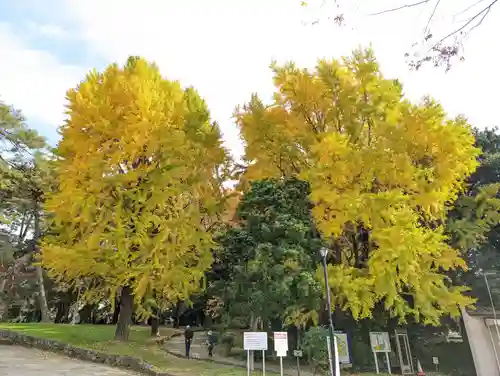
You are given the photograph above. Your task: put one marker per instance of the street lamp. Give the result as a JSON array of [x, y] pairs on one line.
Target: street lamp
[[333, 361]]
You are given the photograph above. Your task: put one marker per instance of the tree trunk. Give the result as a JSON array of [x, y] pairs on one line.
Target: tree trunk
[[177, 313], [3, 304], [116, 311], [155, 324], [86, 314], [61, 312], [125, 317], [42, 296], [254, 322]]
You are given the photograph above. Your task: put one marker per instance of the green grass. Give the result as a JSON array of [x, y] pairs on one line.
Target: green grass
[[100, 337]]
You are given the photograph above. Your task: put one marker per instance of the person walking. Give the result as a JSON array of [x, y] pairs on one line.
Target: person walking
[[188, 338], [211, 343]]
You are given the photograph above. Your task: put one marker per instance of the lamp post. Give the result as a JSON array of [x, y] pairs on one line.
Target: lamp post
[[333, 360]]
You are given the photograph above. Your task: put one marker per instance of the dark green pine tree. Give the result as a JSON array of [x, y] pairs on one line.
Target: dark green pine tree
[[267, 265]]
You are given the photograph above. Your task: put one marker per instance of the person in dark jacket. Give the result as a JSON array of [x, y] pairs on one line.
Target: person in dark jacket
[[188, 338], [211, 340]]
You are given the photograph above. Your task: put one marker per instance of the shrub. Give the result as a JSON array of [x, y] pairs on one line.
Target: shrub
[[315, 349], [227, 341]]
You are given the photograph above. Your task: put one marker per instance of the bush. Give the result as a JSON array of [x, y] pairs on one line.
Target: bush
[[227, 341], [315, 349]]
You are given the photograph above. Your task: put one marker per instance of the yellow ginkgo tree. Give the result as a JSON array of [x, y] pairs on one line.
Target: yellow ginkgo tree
[[138, 173], [383, 173]]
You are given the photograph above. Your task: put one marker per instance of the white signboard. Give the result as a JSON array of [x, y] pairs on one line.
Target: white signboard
[[380, 342], [297, 353], [435, 360], [281, 353], [343, 348], [255, 341], [281, 343]]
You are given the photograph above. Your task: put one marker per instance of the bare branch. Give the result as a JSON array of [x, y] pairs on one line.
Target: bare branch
[[439, 50], [431, 17], [483, 13], [400, 8], [481, 20], [468, 8]]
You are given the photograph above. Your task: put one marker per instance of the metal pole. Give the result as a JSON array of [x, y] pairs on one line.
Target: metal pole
[[330, 322], [388, 362], [336, 356], [330, 361], [376, 363], [264, 362]]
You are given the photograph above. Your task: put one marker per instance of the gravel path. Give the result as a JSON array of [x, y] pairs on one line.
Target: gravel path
[[20, 361]]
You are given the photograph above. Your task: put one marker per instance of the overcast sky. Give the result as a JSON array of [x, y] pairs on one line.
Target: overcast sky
[[224, 48]]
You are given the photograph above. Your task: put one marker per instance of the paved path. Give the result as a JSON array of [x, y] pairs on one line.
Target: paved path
[[20, 361], [199, 350]]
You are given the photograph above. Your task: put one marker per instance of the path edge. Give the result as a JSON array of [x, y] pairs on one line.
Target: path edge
[[216, 361], [9, 337]]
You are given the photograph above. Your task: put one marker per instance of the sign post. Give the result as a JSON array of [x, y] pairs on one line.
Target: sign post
[[435, 361], [281, 347], [380, 343], [298, 355], [255, 341], [263, 362]]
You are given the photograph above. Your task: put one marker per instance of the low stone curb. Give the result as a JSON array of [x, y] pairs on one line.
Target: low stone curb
[[8, 337]]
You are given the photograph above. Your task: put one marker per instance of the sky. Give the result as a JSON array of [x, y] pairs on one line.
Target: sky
[[224, 48]]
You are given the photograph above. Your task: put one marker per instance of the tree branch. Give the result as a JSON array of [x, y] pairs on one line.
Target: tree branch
[[468, 8], [431, 17], [483, 12], [400, 8]]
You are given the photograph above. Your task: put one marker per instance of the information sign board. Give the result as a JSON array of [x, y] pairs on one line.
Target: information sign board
[[281, 343], [380, 342], [343, 348], [255, 341]]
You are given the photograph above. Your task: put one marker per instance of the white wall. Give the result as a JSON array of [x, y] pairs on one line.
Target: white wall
[[482, 342]]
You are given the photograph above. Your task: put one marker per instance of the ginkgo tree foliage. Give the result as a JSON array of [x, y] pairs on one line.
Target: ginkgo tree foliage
[[137, 174], [383, 173]]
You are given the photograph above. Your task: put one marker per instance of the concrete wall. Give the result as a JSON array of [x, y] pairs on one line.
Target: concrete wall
[[484, 344]]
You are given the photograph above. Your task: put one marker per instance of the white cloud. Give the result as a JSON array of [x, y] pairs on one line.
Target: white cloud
[[224, 47], [33, 80], [49, 30], [216, 46]]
